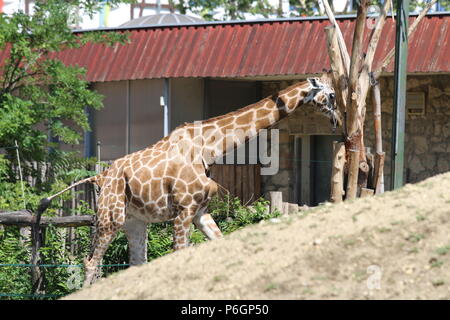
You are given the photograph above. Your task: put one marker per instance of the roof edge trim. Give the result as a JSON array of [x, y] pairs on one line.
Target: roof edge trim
[[237, 22]]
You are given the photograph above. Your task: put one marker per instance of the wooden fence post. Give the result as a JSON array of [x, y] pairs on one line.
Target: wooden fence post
[[276, 201], [37, 276], [365, 192], [293, 208], [285, 208]]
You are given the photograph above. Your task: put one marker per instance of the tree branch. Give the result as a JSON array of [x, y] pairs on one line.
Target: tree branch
[[337, 68], [353, 115], [375, 36], [342, 46], [9, 74], [368, 61], [387, 59]]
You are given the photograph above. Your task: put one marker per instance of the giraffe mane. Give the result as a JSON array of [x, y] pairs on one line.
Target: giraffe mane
[[232, 113], [295, 85], [251, 106]]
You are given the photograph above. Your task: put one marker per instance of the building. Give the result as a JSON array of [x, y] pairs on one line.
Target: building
[[114, 17], [205, 69]]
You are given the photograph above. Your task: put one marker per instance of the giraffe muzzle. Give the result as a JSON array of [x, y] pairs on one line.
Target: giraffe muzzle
[[335, 119]]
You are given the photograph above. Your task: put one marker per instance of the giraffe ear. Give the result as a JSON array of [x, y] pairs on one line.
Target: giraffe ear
[[314, 83], [327, 78]]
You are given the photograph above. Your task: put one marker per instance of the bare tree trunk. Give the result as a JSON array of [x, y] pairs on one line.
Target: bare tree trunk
[[378, 183], [340, 80], [355, 114], [345, 58], [351, 78], [352, 183], [337, 174], [376, 100], [379, 154]]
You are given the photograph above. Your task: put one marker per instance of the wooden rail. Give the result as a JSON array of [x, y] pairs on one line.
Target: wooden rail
[[36, 222], [26, 219], [242, 181]]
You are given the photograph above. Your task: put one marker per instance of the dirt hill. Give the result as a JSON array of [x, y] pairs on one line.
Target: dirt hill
[[393, 246]]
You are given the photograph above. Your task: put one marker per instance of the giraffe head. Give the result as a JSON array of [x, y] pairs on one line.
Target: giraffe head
[[321, 94]]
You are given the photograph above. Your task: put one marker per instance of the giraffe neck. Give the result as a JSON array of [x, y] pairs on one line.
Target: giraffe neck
[[223, 133]]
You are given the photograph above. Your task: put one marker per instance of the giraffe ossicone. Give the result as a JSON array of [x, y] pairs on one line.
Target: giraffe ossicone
[[169, 181]]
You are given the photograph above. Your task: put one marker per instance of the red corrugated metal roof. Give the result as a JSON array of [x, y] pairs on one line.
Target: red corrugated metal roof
[[245, 49]]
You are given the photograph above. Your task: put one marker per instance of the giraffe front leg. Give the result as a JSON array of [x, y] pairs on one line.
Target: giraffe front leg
[[136, 233], [182, 226]]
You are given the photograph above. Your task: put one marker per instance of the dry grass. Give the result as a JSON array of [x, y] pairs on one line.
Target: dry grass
[[399, 240]]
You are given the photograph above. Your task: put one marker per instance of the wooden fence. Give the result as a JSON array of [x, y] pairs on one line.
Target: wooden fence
[[242, 181]]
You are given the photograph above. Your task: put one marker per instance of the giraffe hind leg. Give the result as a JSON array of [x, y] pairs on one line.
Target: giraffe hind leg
[[206, 224], [110, 219], [136, 233], [105, 233], [182, 225]]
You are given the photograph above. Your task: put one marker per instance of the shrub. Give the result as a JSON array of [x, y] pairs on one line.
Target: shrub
[[229, 214]]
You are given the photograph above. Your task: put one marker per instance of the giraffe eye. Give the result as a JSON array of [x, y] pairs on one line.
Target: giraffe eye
[[332, 97]]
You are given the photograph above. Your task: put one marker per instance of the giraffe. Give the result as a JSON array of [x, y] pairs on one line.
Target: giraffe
[[169, 180]]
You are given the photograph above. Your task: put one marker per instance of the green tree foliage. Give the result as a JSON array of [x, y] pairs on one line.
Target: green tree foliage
[[229, 213], [235, 10], [43, 101]]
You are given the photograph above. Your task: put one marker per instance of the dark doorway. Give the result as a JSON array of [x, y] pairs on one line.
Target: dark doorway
[[321, 157], [223, 96]]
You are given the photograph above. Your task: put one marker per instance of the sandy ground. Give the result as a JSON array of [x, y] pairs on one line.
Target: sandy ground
[[393, 246]]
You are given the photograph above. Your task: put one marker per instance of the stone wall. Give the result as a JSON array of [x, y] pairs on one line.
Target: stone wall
[[427, 138], [304, 121], [283, 180]]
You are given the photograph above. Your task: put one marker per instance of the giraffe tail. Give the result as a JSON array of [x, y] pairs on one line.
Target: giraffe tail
[[45, 202], [224, 190]]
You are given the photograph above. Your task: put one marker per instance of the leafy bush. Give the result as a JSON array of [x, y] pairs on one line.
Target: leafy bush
[[229, 214], [12, 251], [15, 249]]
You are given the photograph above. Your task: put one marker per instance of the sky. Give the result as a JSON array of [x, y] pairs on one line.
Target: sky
[[117, 16]]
